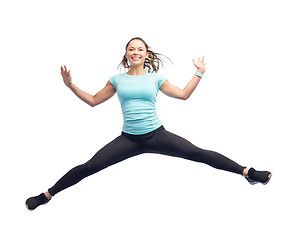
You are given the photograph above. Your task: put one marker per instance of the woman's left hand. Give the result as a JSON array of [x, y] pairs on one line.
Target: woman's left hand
[[200, 65]]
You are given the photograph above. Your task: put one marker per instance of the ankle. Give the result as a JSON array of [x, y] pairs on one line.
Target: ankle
[[48, 195], [245, 172]]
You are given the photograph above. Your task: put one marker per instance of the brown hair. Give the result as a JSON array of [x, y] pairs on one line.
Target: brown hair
[[152, 63]]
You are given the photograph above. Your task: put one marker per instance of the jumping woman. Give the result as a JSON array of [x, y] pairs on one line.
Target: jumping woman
[[142, 131]]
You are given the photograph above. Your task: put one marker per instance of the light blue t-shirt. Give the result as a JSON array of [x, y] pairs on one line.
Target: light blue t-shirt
[[137, 95]]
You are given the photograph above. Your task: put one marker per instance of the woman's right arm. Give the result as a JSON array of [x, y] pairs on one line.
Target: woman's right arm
[[106, 93]]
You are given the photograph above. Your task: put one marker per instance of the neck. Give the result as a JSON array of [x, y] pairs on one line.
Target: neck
[[136, 71]]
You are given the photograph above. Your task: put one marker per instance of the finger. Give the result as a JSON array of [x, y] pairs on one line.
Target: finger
[[193, 61], [65, 68], [202, 58], [61, 69]]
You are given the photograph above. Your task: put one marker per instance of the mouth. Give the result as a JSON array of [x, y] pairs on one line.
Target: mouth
[[135, 58]]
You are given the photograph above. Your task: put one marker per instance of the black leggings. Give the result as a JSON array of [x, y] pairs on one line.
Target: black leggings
[[127, 145]]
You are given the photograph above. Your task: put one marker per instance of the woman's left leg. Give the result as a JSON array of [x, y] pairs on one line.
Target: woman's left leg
[[164, 142]]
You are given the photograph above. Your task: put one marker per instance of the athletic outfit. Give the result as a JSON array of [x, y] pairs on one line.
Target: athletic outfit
[[142, 133]]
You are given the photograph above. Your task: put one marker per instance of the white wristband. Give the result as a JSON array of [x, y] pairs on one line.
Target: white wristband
[[199, 74]]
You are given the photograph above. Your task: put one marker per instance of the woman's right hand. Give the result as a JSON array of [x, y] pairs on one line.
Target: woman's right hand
[[67, 79]]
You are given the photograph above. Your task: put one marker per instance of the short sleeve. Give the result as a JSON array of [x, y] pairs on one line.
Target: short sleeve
[[113, 81], [160, 80]]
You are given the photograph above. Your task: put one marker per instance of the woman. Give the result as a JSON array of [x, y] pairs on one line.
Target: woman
[[142, 130]]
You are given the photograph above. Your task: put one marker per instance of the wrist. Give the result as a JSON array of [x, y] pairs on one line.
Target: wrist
[[200, 75], [200, 70], [70, 86]]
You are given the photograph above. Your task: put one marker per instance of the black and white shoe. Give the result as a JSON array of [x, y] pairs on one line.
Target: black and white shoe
[[255, 177], [34, 202]]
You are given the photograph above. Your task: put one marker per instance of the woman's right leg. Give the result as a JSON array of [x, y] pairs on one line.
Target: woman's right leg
[[119, 149]]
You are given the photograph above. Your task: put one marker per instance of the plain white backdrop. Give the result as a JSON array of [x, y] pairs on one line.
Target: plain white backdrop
[[240, 109]]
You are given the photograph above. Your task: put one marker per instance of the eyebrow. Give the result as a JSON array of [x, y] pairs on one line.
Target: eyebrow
[[134, 48]]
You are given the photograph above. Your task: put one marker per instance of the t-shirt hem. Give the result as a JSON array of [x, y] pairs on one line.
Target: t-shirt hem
[[142, 132]]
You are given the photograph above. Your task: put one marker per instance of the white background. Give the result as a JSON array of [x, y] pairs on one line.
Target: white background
[[240, 109]]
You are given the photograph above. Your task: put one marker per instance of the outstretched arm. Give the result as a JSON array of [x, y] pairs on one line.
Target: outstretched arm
[[106, 93], [172, 91]]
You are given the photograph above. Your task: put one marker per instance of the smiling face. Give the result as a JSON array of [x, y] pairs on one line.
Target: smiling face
[[136, 53]]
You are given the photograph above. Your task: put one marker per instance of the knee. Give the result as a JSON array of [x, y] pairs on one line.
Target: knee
[[84, 169], [200, 155], [92, 166]]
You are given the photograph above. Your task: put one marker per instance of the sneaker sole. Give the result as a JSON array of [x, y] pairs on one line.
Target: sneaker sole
[[34, 208]]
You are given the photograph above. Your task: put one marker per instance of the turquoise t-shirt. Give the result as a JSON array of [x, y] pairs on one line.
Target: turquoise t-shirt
[[137, 95]]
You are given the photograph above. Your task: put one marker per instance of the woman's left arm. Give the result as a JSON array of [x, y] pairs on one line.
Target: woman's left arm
[[172, 91]]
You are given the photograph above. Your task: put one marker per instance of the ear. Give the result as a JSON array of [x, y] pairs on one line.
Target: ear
[[147, 55]]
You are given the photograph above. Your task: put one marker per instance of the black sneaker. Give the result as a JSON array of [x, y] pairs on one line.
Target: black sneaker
[[34, 202], [258, 176]]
